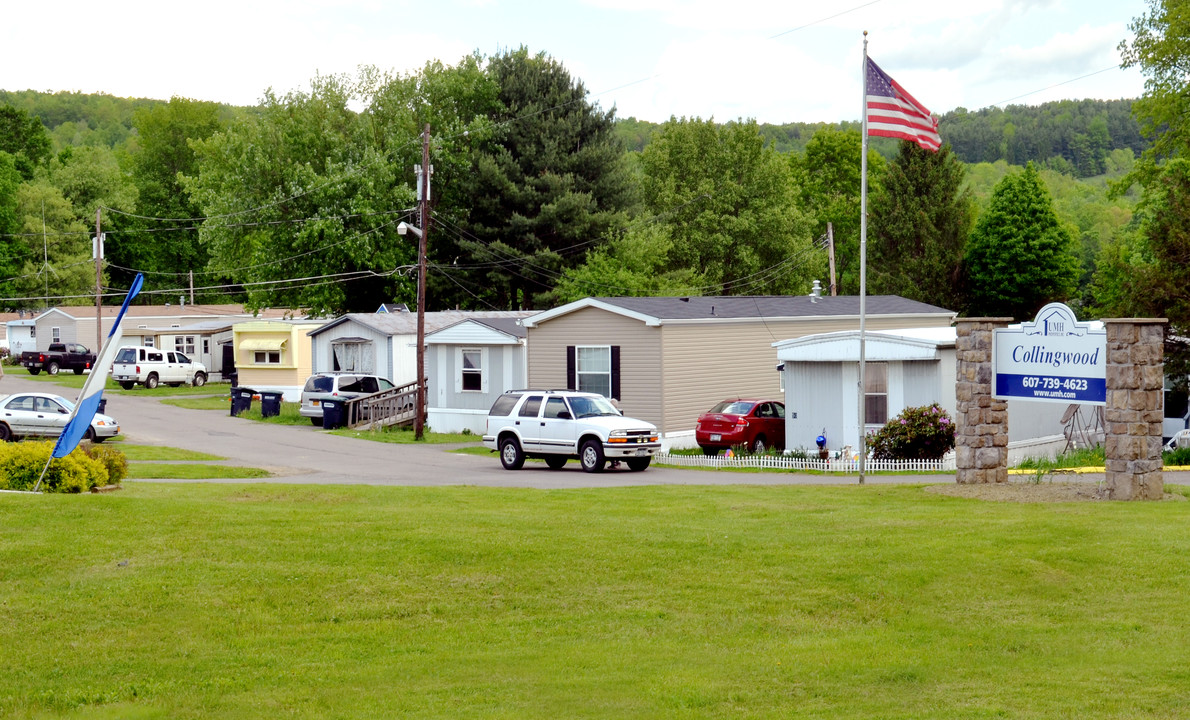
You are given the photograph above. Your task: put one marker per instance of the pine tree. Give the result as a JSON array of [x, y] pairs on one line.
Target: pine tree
[[546, 189], [1020, 256], [918, 227]]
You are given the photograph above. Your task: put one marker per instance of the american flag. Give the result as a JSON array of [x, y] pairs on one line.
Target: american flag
[[892, 112]]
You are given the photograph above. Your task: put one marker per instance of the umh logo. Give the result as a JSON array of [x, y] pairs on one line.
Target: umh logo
[[1054, 325]]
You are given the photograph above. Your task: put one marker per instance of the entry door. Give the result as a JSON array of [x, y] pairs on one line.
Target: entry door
[[528, 422]]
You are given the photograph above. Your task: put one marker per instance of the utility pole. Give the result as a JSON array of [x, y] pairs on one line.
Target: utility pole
[[419, 420], [98, 284], [830, 240]]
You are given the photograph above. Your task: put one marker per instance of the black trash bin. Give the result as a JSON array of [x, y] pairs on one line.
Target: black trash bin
[[241, 400], [332, 414], [270, 404]]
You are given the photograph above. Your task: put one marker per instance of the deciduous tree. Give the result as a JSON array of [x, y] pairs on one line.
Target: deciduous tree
[[729, 202], [827, 178], [302, 208]]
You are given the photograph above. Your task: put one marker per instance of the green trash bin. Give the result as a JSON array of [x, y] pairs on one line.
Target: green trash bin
[[332, 414], [270, 404]]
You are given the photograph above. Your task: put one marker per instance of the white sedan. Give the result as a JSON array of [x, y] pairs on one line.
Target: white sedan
[[39, 414]]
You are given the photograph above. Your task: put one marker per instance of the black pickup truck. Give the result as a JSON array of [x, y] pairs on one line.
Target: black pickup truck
[[60, 356]]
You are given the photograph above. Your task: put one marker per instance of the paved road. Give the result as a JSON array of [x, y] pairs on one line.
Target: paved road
[[310, 455]]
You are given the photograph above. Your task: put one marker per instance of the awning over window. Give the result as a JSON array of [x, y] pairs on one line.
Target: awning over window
[[263, 343]]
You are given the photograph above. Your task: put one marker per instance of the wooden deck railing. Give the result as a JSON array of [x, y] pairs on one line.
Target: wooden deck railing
[[387, 407]]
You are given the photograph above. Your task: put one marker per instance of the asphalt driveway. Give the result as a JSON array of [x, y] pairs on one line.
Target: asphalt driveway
[[310, 455]]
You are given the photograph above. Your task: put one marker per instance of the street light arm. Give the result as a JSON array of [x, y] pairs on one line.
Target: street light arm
[[404, 228]]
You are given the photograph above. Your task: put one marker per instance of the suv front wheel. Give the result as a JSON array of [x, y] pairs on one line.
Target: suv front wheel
[[511, 455], [591, 456]]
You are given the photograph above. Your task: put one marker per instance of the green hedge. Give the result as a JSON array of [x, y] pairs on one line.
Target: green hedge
[[88, 466]]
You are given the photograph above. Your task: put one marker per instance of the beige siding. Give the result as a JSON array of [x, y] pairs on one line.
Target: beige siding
[[672, 373], [708, 362], [641, 384]]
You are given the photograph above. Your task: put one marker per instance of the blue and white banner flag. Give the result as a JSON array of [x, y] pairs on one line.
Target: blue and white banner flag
[[88, 402]]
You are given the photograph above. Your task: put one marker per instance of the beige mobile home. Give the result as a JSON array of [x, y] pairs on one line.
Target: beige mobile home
[[667, 359]]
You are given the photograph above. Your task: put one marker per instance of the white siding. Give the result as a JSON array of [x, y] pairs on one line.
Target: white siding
[[323, 359]]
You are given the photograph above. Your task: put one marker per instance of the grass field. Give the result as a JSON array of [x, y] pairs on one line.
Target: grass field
[[204, 601]]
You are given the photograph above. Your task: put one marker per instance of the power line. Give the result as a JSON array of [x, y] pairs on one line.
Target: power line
[[1064, 82]]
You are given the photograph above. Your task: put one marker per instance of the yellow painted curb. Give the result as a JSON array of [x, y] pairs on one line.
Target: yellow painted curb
[[1079, 470]]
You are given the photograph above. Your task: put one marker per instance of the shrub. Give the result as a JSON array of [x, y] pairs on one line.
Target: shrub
[[21, 465], [1177, 457], [111, 458], [918, 433]]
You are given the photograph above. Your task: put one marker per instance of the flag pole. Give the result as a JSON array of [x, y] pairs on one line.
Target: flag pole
[[863, 257]]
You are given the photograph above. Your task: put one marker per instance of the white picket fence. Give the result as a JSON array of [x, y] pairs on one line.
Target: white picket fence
[[788, 462]]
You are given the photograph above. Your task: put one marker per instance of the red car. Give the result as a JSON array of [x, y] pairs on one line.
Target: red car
[[752, 423]]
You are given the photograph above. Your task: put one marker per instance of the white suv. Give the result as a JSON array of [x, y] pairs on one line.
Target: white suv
[[557, 425]]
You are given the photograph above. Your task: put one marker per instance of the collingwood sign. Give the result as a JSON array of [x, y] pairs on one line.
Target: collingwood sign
[[1055, 358]]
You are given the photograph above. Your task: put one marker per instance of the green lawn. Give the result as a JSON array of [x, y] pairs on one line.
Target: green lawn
[[214, 601], [68, 384]]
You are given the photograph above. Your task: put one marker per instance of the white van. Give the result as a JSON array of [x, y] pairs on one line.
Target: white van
[[150, 366]]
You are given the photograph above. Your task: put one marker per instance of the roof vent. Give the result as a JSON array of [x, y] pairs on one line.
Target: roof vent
[[816, 292]]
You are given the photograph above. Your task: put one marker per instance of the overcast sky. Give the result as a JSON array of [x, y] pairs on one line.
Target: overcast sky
[[773, 60]]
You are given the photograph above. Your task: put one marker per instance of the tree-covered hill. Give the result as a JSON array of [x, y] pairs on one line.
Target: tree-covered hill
[[1074, 137], [1071, 136]]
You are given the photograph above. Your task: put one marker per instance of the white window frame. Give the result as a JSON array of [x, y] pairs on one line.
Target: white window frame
[[872, 390], [580, 373], [460, 354], [55, 334], [184, 344], [266, 357]]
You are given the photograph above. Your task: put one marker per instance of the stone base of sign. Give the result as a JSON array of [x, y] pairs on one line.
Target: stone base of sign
[[981, 423], [1133, 415]]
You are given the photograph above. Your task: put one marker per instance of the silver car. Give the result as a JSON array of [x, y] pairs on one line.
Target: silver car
[[337, 386], [45, 415]]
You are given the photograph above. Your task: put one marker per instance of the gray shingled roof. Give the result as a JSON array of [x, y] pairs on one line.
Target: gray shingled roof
[[405, 323], [770, 306]]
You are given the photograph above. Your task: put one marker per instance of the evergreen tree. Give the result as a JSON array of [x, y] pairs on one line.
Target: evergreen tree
[[1020, 256], [918, 225], [549, 185]]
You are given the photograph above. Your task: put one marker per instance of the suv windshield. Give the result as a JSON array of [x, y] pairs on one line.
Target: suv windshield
[[585, 407]]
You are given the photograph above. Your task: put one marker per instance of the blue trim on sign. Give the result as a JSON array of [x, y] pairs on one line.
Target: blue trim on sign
[[1051, 387]]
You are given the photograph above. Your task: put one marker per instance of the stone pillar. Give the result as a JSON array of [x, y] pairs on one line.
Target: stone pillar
[[981, 425], [1132, 418]]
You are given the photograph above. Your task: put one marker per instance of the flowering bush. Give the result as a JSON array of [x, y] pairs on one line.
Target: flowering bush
[[918, 433]]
